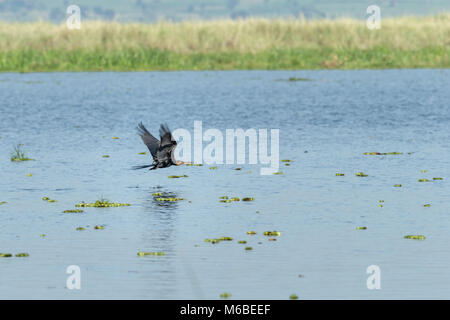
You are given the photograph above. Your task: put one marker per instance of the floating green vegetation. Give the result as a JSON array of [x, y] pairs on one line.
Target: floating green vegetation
[[42, 235], [397, 185], [242, 242], [415, 237], [157, 253], [5, 255], [193, 164], [382, 153], [224, 197], [361, 174], [235, 199], [424, 171], [272, 233], [105, 156], [157, 194], [380, 205], [18, 155], [427, 205], [226, 201], [225, 295], [22, 254], [361, 228], [3, 202], [293, 297], [169, 199], [423, 180], [248, 199], [80, 229], [217, 240], [298, 79], [286, 160], [73, 211], [438, 178], [213, 168], [176, 177], [142, 153], [29, 174], [102, 203], [238, 169], [251, 232], [278, 173], [248, 248], [99, 227], [272, 239], [340, 174], [115, 138], [287, 164], [49, 200], [381, 201]]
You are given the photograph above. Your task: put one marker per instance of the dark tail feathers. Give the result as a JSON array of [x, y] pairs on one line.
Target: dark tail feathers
[[143, 167]]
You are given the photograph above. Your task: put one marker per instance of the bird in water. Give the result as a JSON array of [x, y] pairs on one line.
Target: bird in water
[[162, 151]]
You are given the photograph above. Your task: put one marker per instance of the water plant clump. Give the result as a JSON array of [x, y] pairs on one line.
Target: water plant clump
[[102, 203], [248, 199], [213, 168], [298, 79], [438, 178], [361, 174], [278, 173], [423, 180], [80, 229], [157, 194], [22, 254], [144, 253], [73, 211], [99, 227], [217, 240], [382, 153], [49, 200], [415, 237], [176, 177], [5, 255], [225, 295], [293, 297], [251, 232], [361, 228], [397, 185], [248, 248], [3, 202], [340, 174], [193, 164], [272, 233], [18, 155], [169, 199]]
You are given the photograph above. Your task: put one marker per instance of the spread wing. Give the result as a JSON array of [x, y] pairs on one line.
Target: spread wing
[[150, 141], [166, 136], [167, 142]]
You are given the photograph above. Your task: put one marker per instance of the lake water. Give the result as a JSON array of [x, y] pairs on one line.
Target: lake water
[[67, 121]]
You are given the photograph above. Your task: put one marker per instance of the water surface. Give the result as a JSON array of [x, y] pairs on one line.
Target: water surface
[[66, 122]]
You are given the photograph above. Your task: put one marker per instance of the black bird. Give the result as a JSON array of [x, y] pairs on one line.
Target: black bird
[[162, 151]]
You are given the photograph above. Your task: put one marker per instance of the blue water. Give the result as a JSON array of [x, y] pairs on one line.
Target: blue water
[[66, 122]]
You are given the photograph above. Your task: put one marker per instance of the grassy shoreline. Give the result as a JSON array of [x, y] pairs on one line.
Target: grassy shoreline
[[409, 42]]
